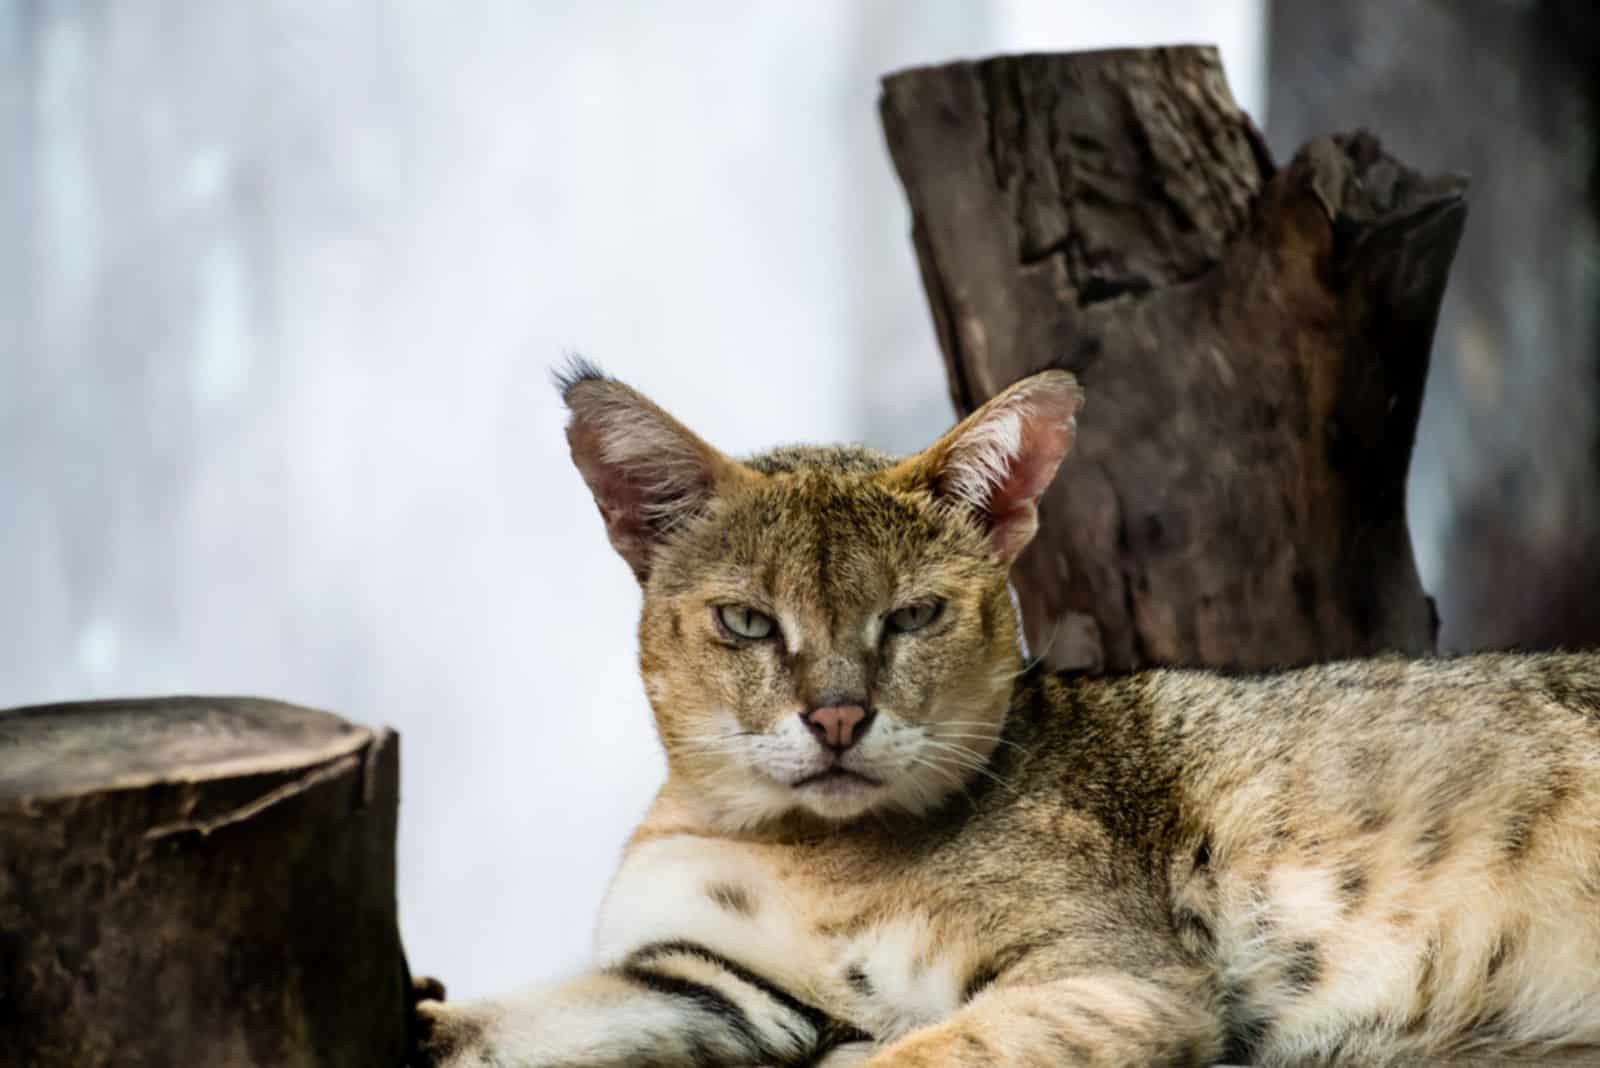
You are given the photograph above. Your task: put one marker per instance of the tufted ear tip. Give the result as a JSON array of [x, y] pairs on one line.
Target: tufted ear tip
[[574, 372], [646, 471]]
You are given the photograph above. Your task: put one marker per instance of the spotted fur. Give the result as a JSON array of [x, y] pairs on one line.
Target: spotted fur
[[1362, 863]]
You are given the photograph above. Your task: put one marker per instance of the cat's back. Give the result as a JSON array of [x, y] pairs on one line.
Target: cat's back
[[1489, 762], [1387, 738], [1403, 852]]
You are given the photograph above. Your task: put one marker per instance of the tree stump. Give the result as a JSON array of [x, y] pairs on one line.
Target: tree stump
[[198, 881], [1508, 451], [1252, 342]]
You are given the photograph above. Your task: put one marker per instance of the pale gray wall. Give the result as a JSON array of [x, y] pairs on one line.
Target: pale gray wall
[[281, 286]]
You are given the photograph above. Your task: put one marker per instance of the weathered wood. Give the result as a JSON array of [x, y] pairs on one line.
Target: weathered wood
[[1506, 481], [1253, 344], [198, 881]]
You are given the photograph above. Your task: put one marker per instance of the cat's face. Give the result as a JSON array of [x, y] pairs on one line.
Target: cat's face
[[812, 588], [823, 630]]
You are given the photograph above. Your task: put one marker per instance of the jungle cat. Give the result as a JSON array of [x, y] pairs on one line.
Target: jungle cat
[[883, 838]]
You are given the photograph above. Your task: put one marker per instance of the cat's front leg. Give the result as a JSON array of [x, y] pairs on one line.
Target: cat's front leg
[[667, 1005], [1101, 1020]]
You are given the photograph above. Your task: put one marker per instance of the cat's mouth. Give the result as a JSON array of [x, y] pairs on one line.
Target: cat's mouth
[[836, 779]]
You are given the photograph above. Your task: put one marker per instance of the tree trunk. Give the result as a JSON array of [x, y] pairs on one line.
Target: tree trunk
[[1508, 454], [198, 881], [1253, 345]]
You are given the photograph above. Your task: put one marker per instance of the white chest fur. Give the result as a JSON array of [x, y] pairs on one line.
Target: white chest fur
[[898, 977], [886, 977]]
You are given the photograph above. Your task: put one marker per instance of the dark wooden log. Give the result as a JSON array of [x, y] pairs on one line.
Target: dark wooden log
[[198, 881], [1507, 470], [1253, 344]]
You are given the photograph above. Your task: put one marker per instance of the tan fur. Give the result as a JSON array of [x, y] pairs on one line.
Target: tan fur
[[1359, 862]]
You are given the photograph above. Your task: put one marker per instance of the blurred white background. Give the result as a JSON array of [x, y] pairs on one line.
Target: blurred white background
[[282, 285]]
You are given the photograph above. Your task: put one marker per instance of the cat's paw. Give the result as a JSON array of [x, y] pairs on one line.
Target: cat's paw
[[442, 1036], [426, 988]]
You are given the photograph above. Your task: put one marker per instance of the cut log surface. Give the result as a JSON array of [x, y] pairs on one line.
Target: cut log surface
[[1252, 342], [204, 881]]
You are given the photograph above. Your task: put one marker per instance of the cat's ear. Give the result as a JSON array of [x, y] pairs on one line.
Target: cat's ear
[[1001, 458], [647, 471]]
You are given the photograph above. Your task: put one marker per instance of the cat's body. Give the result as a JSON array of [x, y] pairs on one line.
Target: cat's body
[[1361, 861]]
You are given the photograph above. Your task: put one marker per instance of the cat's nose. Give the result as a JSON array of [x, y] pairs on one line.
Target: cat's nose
[[838, 726]]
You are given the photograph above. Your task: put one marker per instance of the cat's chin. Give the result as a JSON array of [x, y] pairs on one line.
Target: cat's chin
[[838, 793]]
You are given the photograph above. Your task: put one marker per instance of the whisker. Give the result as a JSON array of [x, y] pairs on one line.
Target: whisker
[[966, 758], [939, 726], [955, 780], [984, 738], [1038, 658]]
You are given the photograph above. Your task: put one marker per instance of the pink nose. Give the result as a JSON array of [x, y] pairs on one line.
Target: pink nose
[[838, 726]]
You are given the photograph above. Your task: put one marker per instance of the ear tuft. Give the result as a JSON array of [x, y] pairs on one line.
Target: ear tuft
[[576, 370], [648, 473], [999, 461]]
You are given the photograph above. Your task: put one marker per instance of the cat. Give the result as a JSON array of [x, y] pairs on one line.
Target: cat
[[884, 838]]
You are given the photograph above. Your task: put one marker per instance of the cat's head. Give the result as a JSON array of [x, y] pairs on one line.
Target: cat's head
[[824, 630]]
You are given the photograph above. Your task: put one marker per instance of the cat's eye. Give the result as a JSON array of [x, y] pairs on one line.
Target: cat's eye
[[914, 616], [745, 622]]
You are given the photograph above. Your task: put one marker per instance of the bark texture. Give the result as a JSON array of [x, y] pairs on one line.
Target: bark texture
[[1253, 343], [198, 881], [1508, 452]]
